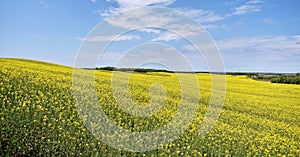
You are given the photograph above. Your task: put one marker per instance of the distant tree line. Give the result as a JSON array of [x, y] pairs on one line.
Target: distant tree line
[[286, 79], [140, 70], [249, 74], [107, 68], [272, 77]]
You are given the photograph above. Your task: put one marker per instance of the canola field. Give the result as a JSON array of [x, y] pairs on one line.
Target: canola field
[[38, 115]]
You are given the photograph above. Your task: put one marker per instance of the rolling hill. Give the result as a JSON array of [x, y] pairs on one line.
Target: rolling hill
[[39, 115]]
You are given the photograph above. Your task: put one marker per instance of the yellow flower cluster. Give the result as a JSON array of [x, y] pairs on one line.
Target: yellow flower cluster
[[38, 115]]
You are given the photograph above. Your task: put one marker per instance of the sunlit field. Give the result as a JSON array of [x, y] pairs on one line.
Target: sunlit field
[[38, 115]]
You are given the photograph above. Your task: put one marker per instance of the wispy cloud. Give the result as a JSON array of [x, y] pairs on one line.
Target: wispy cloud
[[250, 6], [150, 17], [258, 53], [110, 38], [202, 16], [124, 5], [166, 36], [181, 31], [285, 45], [262, 44], [150, 30], [206, 18], [44, 3], [139, 3], [253, 2], [268, 21]]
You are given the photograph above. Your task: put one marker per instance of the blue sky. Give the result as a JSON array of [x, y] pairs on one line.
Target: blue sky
[[251, 35]]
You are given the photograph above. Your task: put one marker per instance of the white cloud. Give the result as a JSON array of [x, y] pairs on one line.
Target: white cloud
[[139, 3], [166, 36], [245, 9], [150, 30], [255, 2], [202, 16], [125, 5], [109, 12], [188, 48], [268, 48], [93, 1], [262, 53], [110, 38], [180, 31], [152, 18], [206, 17], [140, 17], [258, 45], [250, 6], [214, 26], [261, 44], [258, 53]]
